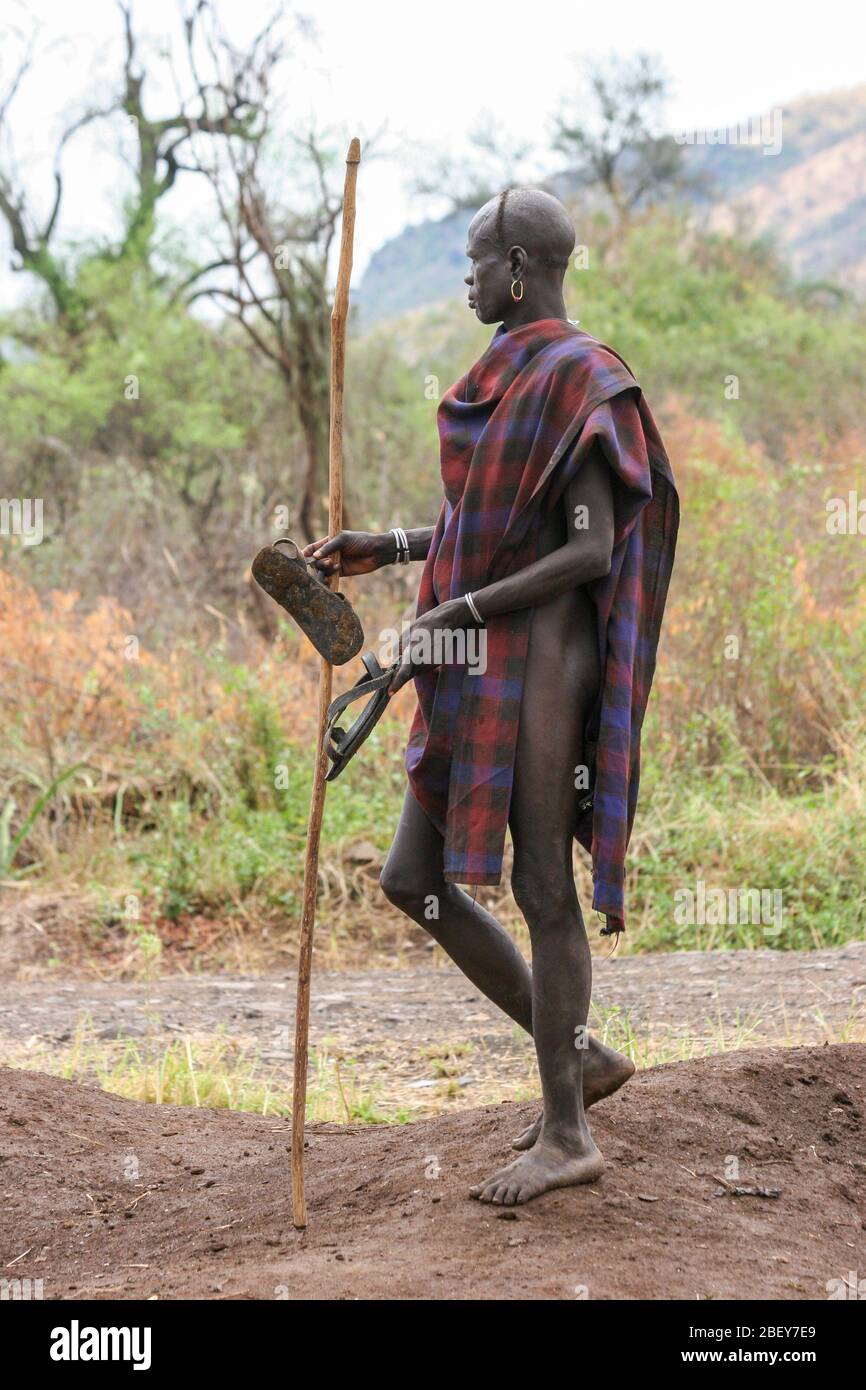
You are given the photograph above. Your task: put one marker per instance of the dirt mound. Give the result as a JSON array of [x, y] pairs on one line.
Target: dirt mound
[[106, 1197]]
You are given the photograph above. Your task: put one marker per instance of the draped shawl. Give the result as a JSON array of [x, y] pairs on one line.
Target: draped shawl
[[514, 432]]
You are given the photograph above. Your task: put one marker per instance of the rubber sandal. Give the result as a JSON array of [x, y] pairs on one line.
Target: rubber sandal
[[324, 616], [341, 745]]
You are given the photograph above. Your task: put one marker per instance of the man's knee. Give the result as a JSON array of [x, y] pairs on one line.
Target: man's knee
[[406, 887], [546, 897]]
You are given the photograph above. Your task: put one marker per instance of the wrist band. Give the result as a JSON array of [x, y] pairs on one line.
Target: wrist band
[[470, 603], [402, 557]]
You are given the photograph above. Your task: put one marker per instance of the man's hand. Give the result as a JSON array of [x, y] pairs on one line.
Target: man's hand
[[352, 552], [419, 641]]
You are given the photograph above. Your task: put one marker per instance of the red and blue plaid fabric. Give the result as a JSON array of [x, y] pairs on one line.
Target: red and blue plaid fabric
[[514, 432]]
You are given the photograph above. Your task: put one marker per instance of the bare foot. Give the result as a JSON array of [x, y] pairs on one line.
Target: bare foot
[[546, 1166], [604, 1071]]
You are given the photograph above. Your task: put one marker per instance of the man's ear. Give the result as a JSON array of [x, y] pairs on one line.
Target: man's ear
[[517, 261]]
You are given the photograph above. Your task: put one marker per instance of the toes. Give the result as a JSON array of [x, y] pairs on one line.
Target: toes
[[524, 1192], [492, 1189], [502, 1188], [527, 1139]]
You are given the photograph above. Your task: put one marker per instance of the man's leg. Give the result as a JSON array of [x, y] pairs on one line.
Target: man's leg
[[413, 880], [564, 1153], [560, 683]]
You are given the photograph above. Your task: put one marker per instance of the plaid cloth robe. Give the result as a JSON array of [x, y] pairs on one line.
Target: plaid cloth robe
[[514, 432]]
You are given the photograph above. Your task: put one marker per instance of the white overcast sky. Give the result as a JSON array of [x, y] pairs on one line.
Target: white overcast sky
[[427, 70]]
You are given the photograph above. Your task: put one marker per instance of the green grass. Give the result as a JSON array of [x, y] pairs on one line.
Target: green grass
[[733, 830]]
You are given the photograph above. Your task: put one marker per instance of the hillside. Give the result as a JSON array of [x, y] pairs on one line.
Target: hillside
[[810, 198]]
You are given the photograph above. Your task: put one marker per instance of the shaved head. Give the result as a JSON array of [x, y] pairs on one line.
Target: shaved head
[[519, 246], [530, 218]]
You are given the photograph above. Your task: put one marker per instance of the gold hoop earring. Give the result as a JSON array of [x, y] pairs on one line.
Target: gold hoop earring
[[517, 297]]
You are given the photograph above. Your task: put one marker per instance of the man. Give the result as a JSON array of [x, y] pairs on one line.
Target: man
[[557, 535]]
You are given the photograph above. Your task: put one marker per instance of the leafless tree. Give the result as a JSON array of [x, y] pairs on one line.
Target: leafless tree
[[278, 245], [611, 133], [225, 103], [493, 160]]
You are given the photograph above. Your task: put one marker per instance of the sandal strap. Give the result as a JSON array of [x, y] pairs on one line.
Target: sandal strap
[[287, 540], [376, 679], [367, 688]]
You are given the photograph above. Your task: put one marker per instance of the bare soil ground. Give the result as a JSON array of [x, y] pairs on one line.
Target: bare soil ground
[[103, 1197]]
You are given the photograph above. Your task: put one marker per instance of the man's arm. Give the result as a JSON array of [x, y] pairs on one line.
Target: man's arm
[[586, 554], [419, 542]]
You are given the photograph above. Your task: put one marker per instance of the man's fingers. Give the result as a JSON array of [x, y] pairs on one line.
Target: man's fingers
[[331, 544], [325, 554], [401, 676]]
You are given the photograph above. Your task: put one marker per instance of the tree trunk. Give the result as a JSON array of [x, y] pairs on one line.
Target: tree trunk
[[314, 424]]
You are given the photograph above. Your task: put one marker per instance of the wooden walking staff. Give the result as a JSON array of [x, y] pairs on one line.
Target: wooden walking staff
[[339, 316]]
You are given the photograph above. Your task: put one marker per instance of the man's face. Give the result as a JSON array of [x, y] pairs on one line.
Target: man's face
[[489, 277]]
